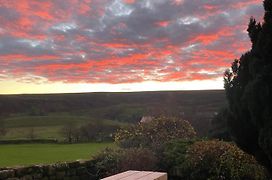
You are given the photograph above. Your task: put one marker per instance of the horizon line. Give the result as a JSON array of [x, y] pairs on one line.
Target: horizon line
[[132, 91]]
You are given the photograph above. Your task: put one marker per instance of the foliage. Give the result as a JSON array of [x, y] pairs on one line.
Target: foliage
[[248, 87], [219, 160], [97, 131], [172, 155], [112, 161], [141, 159], [219, 129], [106, 162], [154, 133]]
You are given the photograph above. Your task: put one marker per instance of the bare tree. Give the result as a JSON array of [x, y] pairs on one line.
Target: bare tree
[[3, 129], [68, 131], [31, 133]]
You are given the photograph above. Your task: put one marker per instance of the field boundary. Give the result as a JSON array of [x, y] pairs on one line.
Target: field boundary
[[66, 170], [30, 141]]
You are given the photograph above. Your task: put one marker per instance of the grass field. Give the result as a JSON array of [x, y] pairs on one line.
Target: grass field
[[27, 154]]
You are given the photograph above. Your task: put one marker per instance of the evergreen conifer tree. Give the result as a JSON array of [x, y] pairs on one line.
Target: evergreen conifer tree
[[248, 88]]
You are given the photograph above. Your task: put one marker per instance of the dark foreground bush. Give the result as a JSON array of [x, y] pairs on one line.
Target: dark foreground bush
[[219, 160], [113, 161], [172, 155]]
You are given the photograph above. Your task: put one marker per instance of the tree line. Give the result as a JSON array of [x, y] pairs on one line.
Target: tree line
[[97, 131]]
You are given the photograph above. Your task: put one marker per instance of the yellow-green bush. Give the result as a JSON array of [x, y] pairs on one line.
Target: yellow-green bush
[[155, 133]]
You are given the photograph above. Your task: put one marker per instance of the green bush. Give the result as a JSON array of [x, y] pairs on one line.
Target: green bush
[[182, 159], [155, 133], [219, 160], [131, 136], [113, 161], [105, 163], [141, 159], [172, 155]]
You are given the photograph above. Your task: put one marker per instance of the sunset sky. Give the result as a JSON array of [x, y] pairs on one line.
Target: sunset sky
[[55, 46]]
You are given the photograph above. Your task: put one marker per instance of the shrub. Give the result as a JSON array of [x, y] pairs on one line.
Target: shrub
[[105, 163], [172, 155], [141, 159], [219, 160], [113, 161], [131, 136], [154, 133]]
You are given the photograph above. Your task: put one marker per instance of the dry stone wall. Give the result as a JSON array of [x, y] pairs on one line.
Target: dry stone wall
[[78, 170]]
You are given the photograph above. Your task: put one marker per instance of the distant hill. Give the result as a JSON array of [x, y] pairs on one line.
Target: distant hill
[[195, 106]]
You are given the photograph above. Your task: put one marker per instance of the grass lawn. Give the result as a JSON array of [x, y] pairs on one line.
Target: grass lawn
[[27, 154]]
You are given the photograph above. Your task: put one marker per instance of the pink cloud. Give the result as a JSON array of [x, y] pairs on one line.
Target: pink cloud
[[122, 41]]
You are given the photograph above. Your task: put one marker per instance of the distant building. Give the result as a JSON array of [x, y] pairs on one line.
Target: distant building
[[146, 119]]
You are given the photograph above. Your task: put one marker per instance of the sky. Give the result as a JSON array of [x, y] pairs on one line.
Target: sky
[[61, 46]]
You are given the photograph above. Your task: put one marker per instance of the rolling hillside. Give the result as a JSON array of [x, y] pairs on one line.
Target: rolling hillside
[[48, 113]]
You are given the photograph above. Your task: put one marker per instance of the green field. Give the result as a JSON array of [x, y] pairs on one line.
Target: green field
[[43, 116], [27, 154], [45, 127]]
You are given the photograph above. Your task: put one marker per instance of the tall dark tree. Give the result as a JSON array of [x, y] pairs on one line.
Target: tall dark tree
[[219, 128], [248, 87]]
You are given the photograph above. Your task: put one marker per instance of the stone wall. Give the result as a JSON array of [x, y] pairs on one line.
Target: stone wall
[[78, 170], [29, 141]]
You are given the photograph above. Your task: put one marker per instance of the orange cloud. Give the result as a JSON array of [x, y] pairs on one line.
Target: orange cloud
[[129, 1], [210, 38]]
